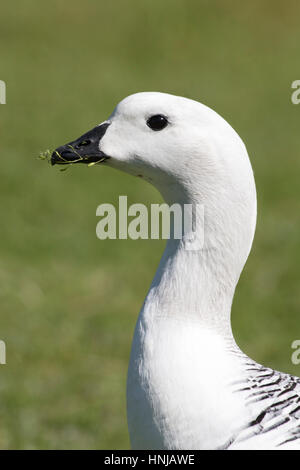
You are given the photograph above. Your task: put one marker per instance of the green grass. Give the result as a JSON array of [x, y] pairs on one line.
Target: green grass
[[68, 300]]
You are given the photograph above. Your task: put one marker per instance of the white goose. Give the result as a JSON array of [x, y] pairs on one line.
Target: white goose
[[189, 385]]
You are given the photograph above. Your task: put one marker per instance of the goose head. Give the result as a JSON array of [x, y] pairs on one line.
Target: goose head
[[189, 153]]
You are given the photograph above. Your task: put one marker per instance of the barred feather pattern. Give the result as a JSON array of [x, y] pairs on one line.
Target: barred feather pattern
[[274, 400]]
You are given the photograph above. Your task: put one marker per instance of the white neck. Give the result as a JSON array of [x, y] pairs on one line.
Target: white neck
[[199, 284], [181, 358], [186, 287]]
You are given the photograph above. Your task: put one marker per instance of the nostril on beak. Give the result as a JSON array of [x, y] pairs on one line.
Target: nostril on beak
[[83, 143], [85, 149]]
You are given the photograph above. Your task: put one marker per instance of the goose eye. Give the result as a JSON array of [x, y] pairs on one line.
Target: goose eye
[[157, 122]]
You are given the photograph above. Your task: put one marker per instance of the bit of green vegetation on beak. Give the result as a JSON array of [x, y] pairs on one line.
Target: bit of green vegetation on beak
[[46, 155]]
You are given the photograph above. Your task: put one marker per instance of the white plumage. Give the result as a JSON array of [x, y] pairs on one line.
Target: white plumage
[[189, 385]]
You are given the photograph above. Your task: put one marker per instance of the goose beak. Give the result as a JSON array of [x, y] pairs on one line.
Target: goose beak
[[85, 149]]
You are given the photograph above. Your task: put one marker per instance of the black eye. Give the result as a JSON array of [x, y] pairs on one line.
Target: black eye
[[157, 122]]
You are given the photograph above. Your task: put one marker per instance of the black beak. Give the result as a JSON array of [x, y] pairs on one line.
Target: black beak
[[83, 150]]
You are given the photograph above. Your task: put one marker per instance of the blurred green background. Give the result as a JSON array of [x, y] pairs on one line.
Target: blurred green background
[[69, 301]]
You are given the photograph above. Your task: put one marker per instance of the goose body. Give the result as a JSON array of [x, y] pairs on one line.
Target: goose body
[[189, 385]]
